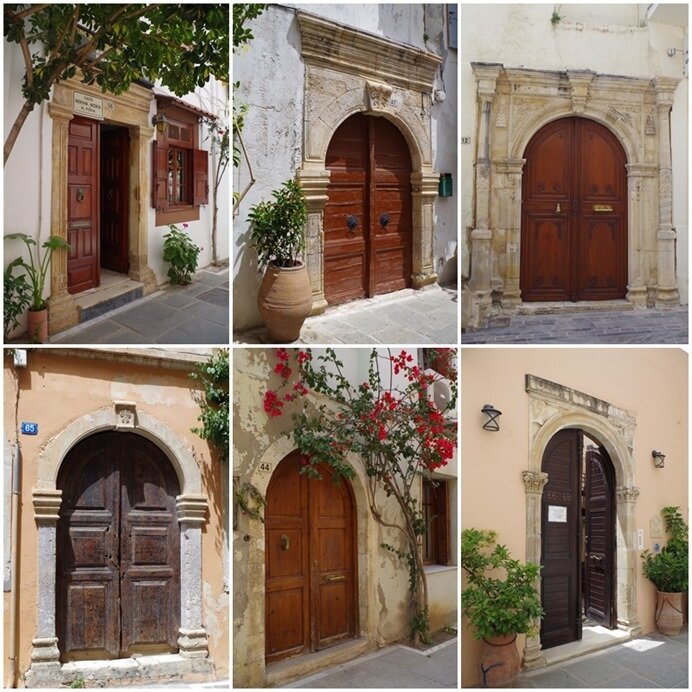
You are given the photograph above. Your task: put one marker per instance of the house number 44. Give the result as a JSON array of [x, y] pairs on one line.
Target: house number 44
[[265, 467]]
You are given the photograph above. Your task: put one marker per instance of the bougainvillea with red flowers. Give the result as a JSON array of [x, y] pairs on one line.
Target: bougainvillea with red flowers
[[389, 422]]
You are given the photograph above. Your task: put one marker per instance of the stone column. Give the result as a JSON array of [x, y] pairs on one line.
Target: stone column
[[140, 154], [666, 288], [639, 188], [534, 482], [314, 180], [628, 563], [45, 656], [192, 512], [62, 309], [512, 169], [424, 186]]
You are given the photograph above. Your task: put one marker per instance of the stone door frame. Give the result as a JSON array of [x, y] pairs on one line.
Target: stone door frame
[[346, 72], [130, 110], [191, 505], [554, 407], [513, 104]]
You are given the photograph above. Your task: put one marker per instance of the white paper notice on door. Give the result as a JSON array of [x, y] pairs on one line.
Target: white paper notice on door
[[557, 514]]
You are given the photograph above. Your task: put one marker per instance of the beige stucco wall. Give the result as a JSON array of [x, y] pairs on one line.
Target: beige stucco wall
[[258, 446], [57, 389], [650, 383]]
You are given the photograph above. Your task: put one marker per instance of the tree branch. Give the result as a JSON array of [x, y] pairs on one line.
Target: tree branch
[[33, 9]]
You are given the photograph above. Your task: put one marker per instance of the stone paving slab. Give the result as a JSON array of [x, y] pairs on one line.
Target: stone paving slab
[[650, 326]]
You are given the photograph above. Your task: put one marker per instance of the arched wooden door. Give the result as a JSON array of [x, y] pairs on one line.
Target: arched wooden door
[[577, 538], [368, 217], [574, 214], [310, 570], [118, 553]]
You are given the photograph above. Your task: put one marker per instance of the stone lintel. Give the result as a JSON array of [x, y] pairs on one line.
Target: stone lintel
[[47, 506]]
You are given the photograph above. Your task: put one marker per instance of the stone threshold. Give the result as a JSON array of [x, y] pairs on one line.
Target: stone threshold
[[98, 301], [278, 674], [562, 307]]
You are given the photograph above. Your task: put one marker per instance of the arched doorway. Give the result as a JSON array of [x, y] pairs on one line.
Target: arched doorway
[[574, 214], [368, 222], [118, 557], [578, 538], [310, 570]]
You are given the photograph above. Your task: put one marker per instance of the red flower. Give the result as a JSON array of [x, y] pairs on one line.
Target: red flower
[[283, 370], [272, 403], [282, 354], [382, 433], [303, 357]]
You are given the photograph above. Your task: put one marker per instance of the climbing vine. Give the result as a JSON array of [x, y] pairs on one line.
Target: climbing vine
[[214, 401]]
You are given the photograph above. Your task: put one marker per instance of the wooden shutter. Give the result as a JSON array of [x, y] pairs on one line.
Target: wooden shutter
[[159, 192], [441, 522], [200, 167]]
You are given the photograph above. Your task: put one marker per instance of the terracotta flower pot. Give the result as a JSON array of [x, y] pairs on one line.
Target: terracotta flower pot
[[499, 661], [38, 326], [669, 613], [284, 301]]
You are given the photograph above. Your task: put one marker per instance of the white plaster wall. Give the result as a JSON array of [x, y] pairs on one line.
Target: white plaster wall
[[271, 75], [604, 38]]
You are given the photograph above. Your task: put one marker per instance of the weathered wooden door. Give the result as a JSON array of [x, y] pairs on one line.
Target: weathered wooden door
[[560, 518], [574, 214], [115, 146], [118, 550], [83, 205], [599, 567], [368, 216], [310, 576]]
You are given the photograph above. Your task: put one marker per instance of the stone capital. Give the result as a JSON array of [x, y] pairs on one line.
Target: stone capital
[[627, 493], [47, 505], [192, 509], [487, 75], [664, 87], [534, 481], [58, 112]]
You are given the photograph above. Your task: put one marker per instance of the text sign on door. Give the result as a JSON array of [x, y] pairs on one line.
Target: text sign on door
[[29, 428], [557, 514], [89, 106]]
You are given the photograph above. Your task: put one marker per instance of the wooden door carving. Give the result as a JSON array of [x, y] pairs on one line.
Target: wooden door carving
[[368, 222], [118, 565], [115, 145], [574, 214], [310, 579], [83, 205]]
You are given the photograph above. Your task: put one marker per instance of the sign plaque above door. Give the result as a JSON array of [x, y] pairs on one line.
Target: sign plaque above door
[[88, 106]]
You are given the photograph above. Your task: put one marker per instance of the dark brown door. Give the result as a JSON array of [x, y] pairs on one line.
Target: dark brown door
[[574, 214], [83, 205], [114, 200], [118, 582], [368, 216], [599, 568], [560, 519], [310, 562]]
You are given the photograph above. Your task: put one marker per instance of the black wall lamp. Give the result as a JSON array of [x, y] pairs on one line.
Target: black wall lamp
[[493, 414], [659, 459], [160, 122]]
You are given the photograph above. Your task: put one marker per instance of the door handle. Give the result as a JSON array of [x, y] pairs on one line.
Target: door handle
[[335, 577], [602, 207], [285, 542]]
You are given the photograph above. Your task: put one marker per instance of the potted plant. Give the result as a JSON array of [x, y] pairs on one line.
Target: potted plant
[[500, 600], [36, 272], [285, 295], [17, 296], [668, 571], [181, 252]]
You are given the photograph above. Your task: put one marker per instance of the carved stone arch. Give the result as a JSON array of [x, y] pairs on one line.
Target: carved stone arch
[[554, 407]]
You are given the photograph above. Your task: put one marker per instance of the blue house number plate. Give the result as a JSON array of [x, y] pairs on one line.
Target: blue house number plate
[[29, 428]]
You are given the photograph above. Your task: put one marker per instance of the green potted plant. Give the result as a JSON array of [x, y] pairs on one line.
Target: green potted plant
[[277, 233], [500, 601], [17, 296], [36, 272], [181, 253], [668, 572]]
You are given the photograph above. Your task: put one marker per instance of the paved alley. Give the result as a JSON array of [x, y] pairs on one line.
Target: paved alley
[[193, 314], [392, 667], [652, 326], [649, 662], [428, 316]]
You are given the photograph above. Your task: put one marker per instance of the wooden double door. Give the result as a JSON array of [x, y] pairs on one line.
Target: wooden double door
[[118, 549], [368, 216], [574, 214], [310, 570], [577, 538], [97, 202]]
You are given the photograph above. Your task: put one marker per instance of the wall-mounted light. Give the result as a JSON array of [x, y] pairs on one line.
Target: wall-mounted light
[[659, 459], [160, 122], [493, 414]]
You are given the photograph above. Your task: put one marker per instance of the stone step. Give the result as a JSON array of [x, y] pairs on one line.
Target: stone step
[[102, 300], [560, 307]]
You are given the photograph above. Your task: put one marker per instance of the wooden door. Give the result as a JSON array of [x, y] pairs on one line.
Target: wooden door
[[310, 578], [115, 146], [118, 557], [368, 217], [599, 557], [574, 214], [83, 205], [560, 519]]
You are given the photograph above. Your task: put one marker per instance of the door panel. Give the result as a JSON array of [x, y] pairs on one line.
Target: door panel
[[574, 179], [368, 216], [83, 205], [310, 563], [115, 146]]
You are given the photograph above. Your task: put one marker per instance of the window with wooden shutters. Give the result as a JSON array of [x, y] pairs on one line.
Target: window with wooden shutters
[[435, 506]]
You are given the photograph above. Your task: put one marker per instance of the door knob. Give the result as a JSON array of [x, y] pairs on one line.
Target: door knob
[[352, 223], [384, 220], [285, 542]]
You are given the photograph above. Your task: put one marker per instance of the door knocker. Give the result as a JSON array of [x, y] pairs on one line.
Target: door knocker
[[285, 542], [80, 195]]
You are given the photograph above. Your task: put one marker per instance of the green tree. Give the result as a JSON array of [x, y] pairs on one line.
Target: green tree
[[114, 45]]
